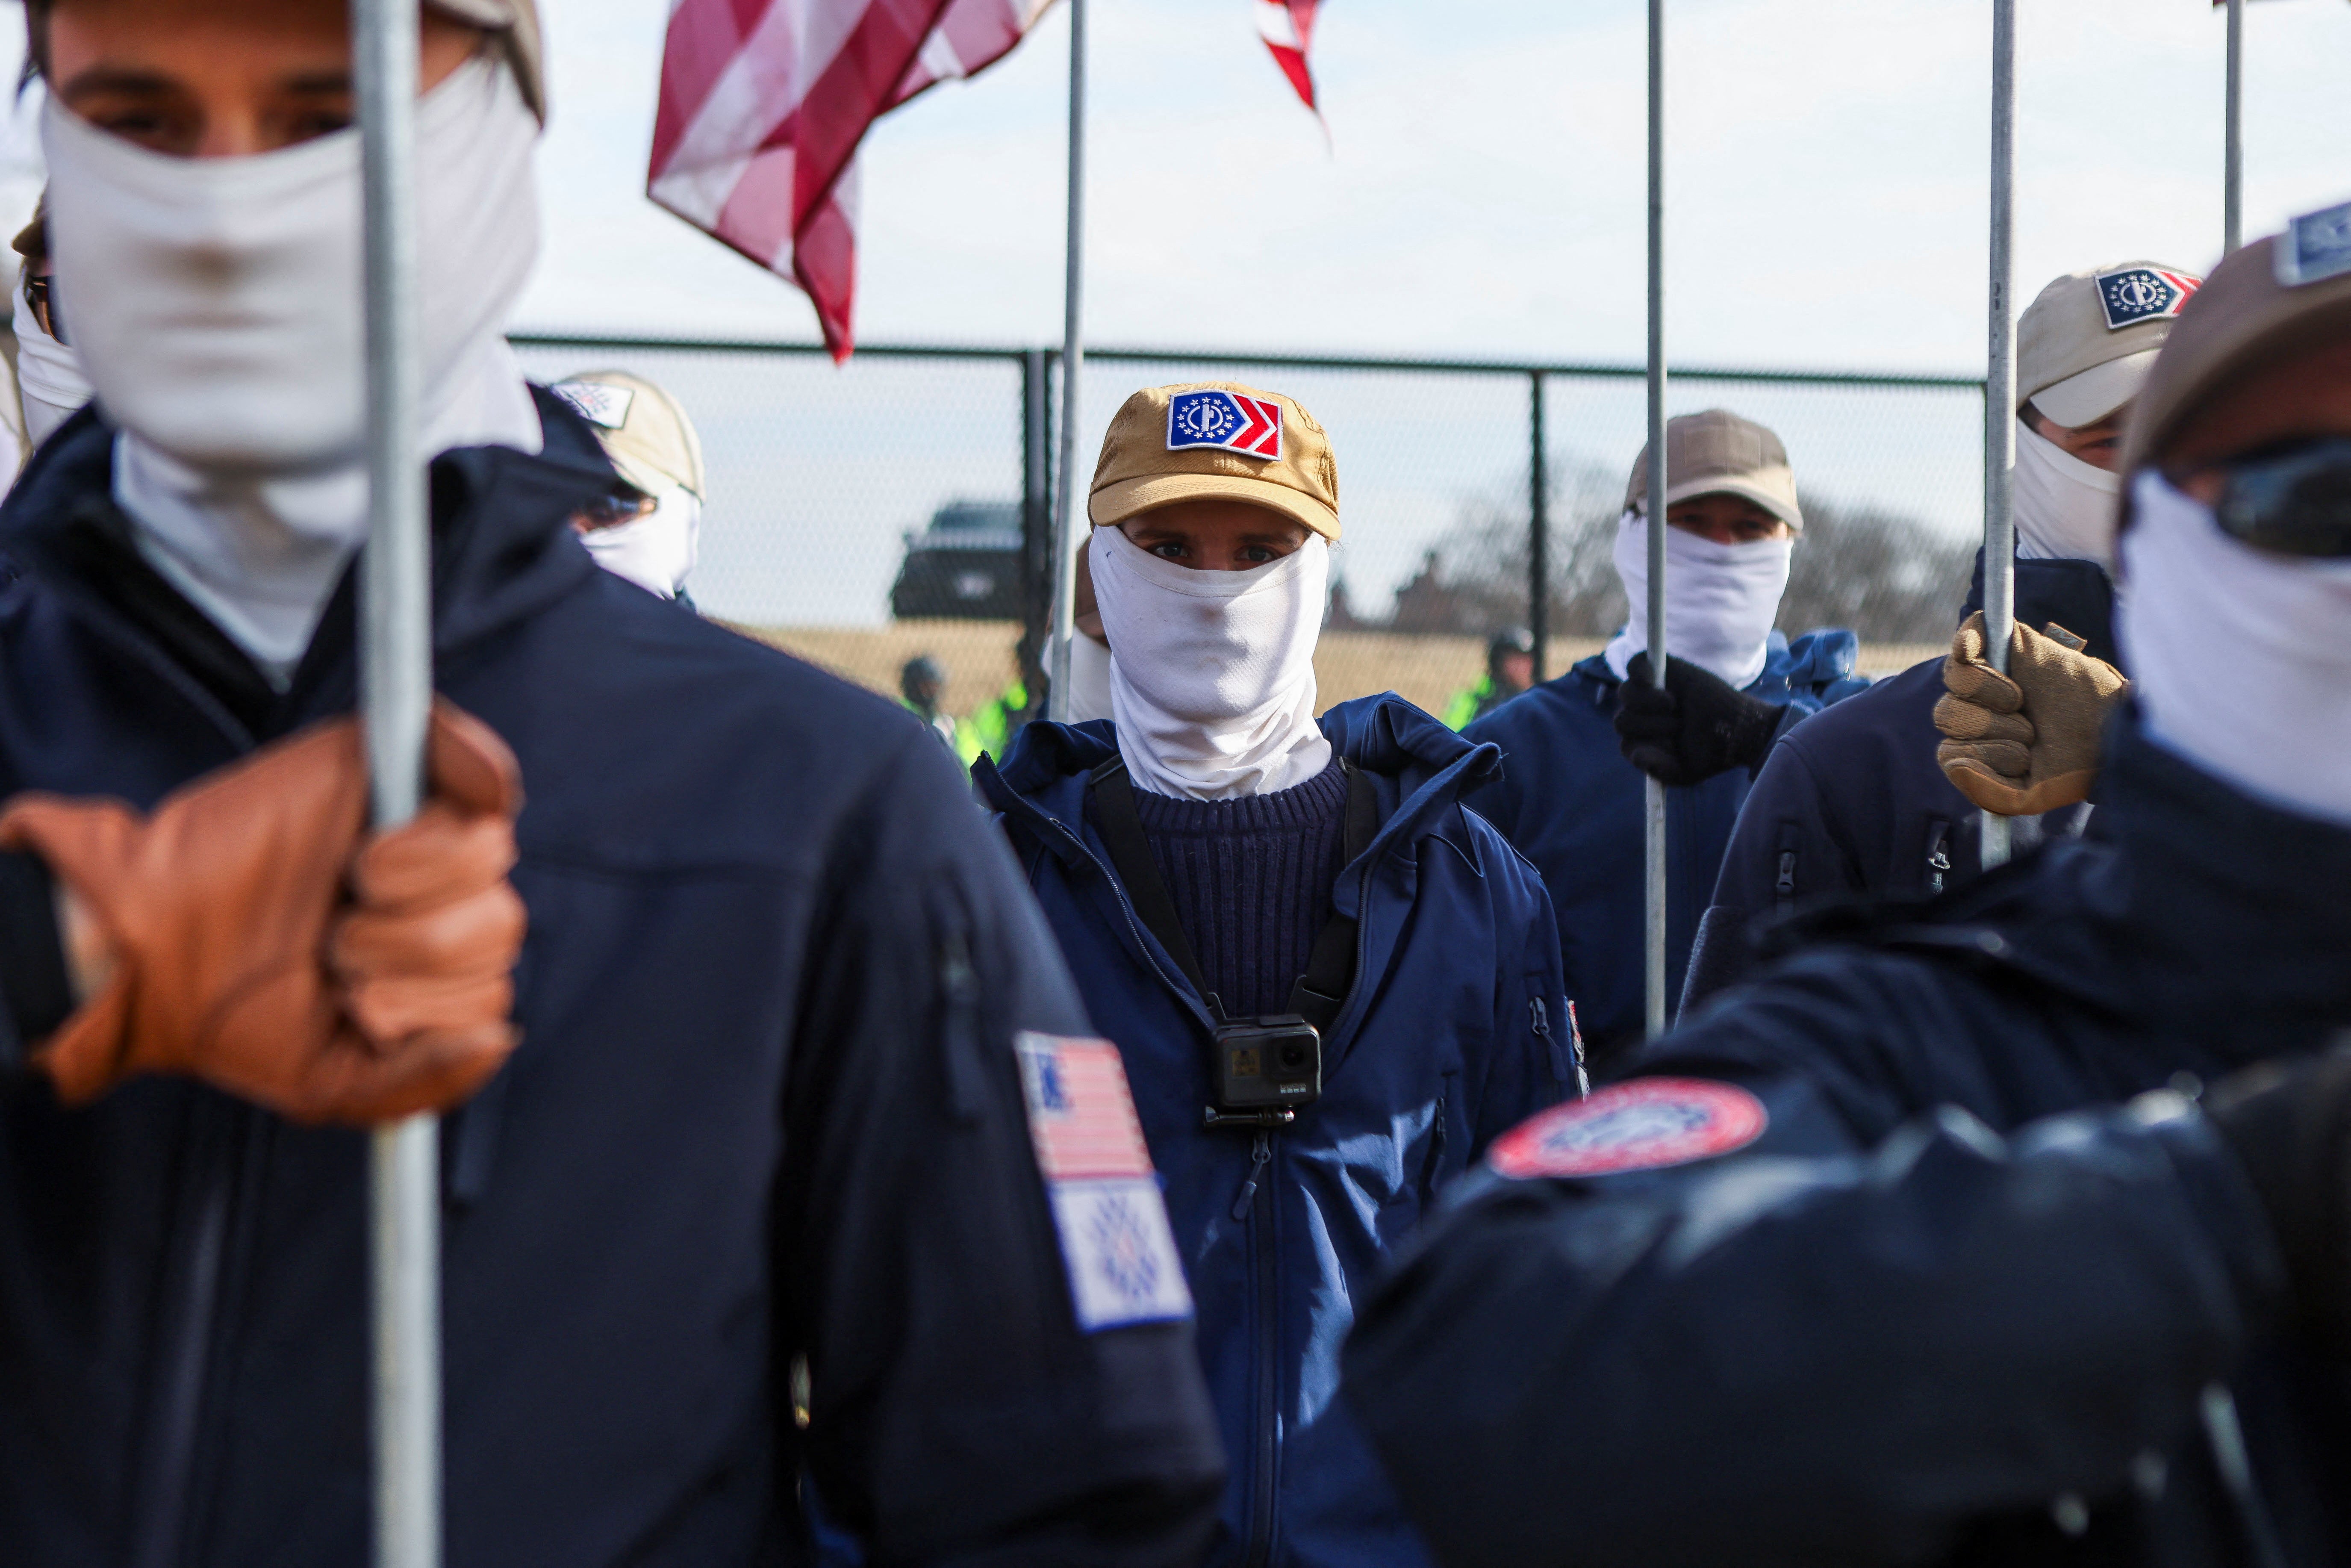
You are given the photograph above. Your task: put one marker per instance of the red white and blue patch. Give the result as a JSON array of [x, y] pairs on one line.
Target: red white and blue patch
[[1227, 421], [1115, 1240], [2131, 295], [1646, 1124]]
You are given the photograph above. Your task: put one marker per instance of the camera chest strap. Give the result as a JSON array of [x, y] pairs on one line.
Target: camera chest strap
[[1329, 964]]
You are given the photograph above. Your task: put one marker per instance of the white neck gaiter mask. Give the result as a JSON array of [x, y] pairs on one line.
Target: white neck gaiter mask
[[2241, 659], [48, 376], [654, 551], [1720, 600], [1212, 672], [1089, 680], [2064, 507], [218, 307]]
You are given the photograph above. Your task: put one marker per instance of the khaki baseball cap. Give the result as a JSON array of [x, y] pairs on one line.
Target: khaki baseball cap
[[2264, 302], [644, 431], [515, 24], [2086, 344], [1203, 439], [1718, 453]]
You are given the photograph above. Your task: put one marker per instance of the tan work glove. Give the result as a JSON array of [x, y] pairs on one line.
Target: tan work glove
[[215, 913], [2028, 741]]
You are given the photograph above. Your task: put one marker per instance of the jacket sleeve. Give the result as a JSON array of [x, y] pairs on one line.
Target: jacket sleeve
[[35, 995], [1838, 1343], [1781, 849], [956, 1412], [1536, 1052]]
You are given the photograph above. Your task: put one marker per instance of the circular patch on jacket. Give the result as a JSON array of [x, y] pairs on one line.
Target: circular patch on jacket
[[1642, 1125]]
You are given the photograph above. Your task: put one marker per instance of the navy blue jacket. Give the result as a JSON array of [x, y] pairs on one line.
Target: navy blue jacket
[[765, 1108], [1572, 805], [1854, 804], [1964, 1296], [1453, 1031]]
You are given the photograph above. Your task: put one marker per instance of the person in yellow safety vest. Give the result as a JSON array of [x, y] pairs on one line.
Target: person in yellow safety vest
[[1510, 670], [920, 681], [991, 726]]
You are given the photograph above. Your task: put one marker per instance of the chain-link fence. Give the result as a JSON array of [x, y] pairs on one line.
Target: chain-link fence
[[896, 506]]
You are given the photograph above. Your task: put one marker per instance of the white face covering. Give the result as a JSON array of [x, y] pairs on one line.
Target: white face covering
[[2064, 507], [1212, 672], [2241, 659], [48, 376], [217, 305], [1089, 680], [654, 551], [1720, 600]]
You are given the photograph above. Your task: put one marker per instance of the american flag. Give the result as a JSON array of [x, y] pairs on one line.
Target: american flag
[[1288, 28], [763, 103]]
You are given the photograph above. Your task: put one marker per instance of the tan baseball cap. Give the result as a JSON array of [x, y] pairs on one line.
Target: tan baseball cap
[[2264, 302], [1203, 439], [644, 431], [1718, 453], [2086, 344], [515, 24]]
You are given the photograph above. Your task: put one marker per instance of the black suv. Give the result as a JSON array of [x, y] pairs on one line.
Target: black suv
[[965, 565]]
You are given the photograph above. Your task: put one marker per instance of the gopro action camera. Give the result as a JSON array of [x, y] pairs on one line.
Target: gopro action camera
[[1266, 1063]]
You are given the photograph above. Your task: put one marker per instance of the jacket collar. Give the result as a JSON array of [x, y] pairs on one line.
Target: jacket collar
[[2076, 594], [1813, 660]]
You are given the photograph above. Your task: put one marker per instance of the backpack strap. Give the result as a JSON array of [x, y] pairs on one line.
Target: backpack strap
[[1130, 856], [1330, 974]]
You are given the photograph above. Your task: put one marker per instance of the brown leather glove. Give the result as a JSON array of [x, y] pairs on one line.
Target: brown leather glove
[[215, 912], [2028, 741]]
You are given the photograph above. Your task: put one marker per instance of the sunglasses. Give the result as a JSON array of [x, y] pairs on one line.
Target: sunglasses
[[45, 310], [2292, 499]]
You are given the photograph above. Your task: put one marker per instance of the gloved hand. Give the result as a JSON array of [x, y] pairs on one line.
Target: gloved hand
[[2289, 1125], [215, 913], [2028, 741], [1695, 728]]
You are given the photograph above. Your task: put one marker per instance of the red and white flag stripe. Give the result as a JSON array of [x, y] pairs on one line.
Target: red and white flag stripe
[[763, 103], [1288, 28]]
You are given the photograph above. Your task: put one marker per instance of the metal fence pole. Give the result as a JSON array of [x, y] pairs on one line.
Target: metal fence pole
[[1066, 524], [2232, 186], [396, 694], [1538, 529], [1999, 384], [1654, 858], [1036, 526]]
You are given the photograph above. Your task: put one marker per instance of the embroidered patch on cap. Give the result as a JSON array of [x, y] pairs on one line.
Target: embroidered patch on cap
[[2131, 295], [2315, 247], [1250, 426], [1115, 1240], [596, 403], [1643, 1126]]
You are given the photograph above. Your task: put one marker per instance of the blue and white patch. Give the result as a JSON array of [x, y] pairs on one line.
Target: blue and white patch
[[2315, 247], [605, 407], [1227, 421], [2130, 295]]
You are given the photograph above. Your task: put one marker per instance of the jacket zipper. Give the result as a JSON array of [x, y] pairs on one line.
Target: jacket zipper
[[1938, 862], [1262, 1250]]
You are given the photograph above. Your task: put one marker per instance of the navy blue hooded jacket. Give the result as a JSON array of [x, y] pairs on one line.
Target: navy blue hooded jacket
[[1572, 805], [1854, 804], [765, 1108], [1964, 1299], [1452, 1031]]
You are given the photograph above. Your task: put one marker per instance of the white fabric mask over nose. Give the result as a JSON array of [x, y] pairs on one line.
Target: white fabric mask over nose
[[48, 375], [2241, 660], [217, 305], [2064, 507], [1720, 600], [656, 551], [1212, 672]]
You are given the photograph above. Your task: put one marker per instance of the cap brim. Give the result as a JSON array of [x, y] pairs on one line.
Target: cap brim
[[2092, 394], [644, 476], [1778, 506], [1114, 503]]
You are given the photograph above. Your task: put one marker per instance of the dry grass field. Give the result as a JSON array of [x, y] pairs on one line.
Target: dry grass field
[[978, 658]]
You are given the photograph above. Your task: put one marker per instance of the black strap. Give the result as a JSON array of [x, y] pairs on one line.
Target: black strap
[[1331, 964]]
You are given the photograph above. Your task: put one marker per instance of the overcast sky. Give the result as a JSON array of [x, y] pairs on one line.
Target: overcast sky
[[1481, 191]]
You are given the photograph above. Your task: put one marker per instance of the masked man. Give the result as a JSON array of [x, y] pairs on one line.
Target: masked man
[[1330, 983], [649, 529], [50, 385], [1858, 804], [1575, 749], [755, 1213], [1920, 1248]]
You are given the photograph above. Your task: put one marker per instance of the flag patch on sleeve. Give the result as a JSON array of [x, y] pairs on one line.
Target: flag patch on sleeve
[[1646, 1124], [1249, 425], [1115, 1240]]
